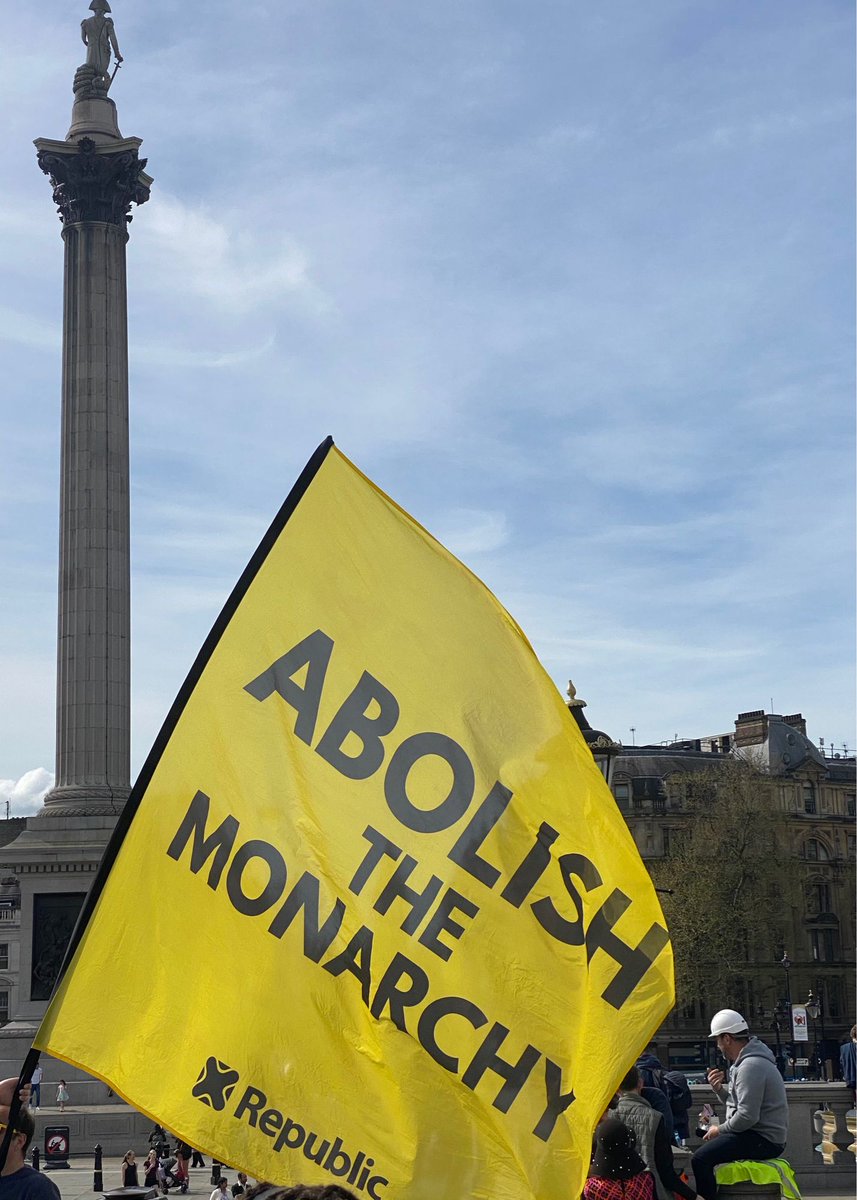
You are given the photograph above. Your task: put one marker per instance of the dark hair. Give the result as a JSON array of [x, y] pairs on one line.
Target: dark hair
[[25, 1123], [615, 1154], [631, 1081]]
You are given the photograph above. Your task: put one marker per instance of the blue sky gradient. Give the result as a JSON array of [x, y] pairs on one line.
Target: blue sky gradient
[[573, 283]]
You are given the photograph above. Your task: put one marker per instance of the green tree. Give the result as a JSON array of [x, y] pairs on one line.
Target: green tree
[[733, 882]]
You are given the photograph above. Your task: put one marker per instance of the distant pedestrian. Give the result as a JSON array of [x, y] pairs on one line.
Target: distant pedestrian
[[848, 1062], [62, 1095], [196, 1159], [166, 1162], [158, 1141], [182, 1171], [129, 1170], [241, 1185], [150, 1169], [221, 1192], [36, 1082]]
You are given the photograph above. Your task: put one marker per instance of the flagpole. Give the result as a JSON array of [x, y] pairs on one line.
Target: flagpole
[[16, 1105]]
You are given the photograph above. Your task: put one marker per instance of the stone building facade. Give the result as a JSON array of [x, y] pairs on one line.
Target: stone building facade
[[815, 794]]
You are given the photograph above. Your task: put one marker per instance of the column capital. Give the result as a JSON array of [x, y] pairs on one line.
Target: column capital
[[94, 182]]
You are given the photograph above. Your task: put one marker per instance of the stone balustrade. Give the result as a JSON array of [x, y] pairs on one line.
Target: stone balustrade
[[805, 1099]]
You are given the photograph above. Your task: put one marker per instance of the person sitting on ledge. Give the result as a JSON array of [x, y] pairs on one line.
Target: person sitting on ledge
[[757, 1112]]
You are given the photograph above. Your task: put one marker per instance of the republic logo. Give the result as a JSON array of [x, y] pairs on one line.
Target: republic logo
[[215, 1084]]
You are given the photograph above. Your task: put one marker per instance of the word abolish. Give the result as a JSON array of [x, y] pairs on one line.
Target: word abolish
[[365, 722]]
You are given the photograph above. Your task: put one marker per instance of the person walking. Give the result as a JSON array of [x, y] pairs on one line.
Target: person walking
[[182, 1171], [36, 1084], [757, 1111], [196, 1159]]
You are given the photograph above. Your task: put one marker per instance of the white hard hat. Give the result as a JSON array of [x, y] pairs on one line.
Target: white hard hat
[[727, 1021]]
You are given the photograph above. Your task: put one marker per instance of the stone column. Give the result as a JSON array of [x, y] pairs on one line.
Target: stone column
[[95, 184]]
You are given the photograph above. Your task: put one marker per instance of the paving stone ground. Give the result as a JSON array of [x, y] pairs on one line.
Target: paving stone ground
[[76, 1182]]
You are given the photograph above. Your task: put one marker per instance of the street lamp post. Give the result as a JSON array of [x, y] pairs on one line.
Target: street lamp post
[[785, 963], [815, 1010], [762, 1015], [776, 1025]]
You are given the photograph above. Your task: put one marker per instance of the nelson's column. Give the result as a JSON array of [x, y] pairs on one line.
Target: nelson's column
[[96, 175]]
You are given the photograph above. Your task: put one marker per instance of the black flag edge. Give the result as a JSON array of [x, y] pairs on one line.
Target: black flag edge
[[128, 813]]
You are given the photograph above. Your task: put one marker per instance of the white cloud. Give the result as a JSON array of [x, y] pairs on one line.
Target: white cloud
[[25, 795], [217, 261]]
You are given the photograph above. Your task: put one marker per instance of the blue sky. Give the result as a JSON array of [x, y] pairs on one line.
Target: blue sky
[[573, 283]]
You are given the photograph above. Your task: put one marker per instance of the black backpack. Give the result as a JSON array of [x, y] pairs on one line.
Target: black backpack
[[678, 1092]]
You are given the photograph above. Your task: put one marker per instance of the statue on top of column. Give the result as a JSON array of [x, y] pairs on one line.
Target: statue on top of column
[[99, 37]]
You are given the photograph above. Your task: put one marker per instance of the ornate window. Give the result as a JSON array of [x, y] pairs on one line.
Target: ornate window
[[818, 899], [809, 801], [824, 945], [815, 851]]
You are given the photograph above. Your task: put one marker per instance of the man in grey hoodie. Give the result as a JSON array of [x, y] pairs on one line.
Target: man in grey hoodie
[[757, 1112]]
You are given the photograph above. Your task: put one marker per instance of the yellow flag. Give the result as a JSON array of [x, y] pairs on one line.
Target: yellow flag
[[371, 915]]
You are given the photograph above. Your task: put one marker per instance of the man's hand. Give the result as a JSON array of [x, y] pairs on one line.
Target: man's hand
[[711, 1132], [716, 1079]]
